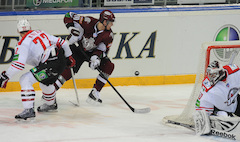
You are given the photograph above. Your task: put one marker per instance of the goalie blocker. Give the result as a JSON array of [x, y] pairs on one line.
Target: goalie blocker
[[222, 126]]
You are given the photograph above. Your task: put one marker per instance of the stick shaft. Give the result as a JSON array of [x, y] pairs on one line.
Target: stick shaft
[[88, 59], [74, 84]]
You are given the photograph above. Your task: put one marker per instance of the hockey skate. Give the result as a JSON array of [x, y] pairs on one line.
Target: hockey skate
[[46, 108], [27, 113], [94, 98]]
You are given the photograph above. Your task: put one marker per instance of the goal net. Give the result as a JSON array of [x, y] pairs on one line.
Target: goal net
[[226, 52]]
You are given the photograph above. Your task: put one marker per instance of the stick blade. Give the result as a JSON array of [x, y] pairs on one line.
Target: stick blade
[[143, 110], [77, 105]]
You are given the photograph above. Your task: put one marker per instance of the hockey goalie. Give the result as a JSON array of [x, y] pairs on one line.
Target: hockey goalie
[[217, 107]]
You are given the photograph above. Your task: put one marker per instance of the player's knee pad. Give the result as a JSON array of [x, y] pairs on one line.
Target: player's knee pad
[[26, 81], [47, 89]]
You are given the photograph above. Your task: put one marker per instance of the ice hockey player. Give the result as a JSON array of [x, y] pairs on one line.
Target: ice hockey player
[[94, 37], [48, 55], [217, 107]]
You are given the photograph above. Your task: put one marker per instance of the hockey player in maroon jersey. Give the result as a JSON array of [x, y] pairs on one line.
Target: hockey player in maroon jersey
[[95, 37], [48, 55]]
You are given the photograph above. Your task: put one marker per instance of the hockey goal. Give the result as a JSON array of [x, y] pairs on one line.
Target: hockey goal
[[226, 52]]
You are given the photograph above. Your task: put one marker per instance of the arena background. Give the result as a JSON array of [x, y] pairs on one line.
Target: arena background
[[161, 43]]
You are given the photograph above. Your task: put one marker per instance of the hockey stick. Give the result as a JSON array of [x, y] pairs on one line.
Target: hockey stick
[[188, 126], [227, 132], [143, 110], [75, 88]]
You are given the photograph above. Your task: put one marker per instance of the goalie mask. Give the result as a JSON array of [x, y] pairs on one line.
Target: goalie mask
[[215, 72], [23, 26]]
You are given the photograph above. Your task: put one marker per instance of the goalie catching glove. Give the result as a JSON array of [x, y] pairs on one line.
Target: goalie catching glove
[[3, 79], [94, 62]]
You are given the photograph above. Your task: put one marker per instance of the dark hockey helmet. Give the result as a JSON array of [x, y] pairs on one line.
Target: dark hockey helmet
[[215, 72], [106, 15]]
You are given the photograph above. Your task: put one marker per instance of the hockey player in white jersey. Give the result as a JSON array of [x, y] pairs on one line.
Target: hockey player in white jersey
[[48, 55], [218, 106]]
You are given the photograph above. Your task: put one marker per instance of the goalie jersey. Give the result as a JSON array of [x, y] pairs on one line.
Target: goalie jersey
[[222, 95]]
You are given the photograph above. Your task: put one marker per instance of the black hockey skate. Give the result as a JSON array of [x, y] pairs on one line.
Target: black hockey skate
[[46, 108], [93, 98], [27, 113]]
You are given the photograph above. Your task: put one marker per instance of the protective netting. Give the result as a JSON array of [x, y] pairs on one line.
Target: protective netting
[[226, 52]]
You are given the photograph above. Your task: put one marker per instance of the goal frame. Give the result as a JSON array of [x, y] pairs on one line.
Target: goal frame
[[185, 119]]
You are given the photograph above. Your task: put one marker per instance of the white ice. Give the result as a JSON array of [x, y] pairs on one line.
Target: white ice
[[112, 121]]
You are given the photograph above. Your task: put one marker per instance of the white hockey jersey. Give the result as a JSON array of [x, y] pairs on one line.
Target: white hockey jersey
[[30, 48], [223, 95]]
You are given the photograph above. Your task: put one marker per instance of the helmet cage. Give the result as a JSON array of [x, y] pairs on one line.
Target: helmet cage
[[214, 72]]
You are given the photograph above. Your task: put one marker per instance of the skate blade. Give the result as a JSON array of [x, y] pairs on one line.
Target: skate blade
[[92, 102], [25, 121], [49, 111]]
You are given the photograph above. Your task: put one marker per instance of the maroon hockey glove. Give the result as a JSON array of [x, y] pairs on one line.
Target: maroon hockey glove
[[71, 61], [3, 79]]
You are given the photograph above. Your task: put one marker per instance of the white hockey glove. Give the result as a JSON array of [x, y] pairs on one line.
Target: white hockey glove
[[88, 43], [94, 62], [74, 34], [202, 122], [3, 79]]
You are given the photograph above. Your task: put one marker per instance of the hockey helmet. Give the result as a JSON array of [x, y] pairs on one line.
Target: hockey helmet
[[106, 15], [215, 72], [23, 25]]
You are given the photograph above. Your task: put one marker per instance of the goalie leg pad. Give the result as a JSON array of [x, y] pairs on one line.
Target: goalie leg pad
[[226, 127], [202, 122]]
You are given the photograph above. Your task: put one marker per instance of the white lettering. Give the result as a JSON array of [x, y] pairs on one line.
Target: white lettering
[[57, 1]]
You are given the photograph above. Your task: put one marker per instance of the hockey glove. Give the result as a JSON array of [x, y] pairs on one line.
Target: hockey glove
[[94, 62], [71, 61], [88, 43], [3, 79]]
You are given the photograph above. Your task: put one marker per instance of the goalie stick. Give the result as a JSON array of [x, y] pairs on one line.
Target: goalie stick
[[75, 88], [188, 126], [213, 132], [143, 110]]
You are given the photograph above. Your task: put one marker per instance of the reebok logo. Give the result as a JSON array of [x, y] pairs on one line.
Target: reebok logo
[[223, 134]]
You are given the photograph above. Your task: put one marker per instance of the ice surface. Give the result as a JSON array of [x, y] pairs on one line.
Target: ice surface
[[112, 121]]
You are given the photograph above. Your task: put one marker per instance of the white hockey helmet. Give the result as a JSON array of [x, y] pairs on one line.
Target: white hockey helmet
[[23, 25], [215, 72]]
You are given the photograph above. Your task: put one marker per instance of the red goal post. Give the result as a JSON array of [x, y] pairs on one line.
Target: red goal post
[[226, 52]]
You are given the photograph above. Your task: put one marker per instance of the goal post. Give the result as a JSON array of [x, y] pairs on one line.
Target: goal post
[[226, 52]]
